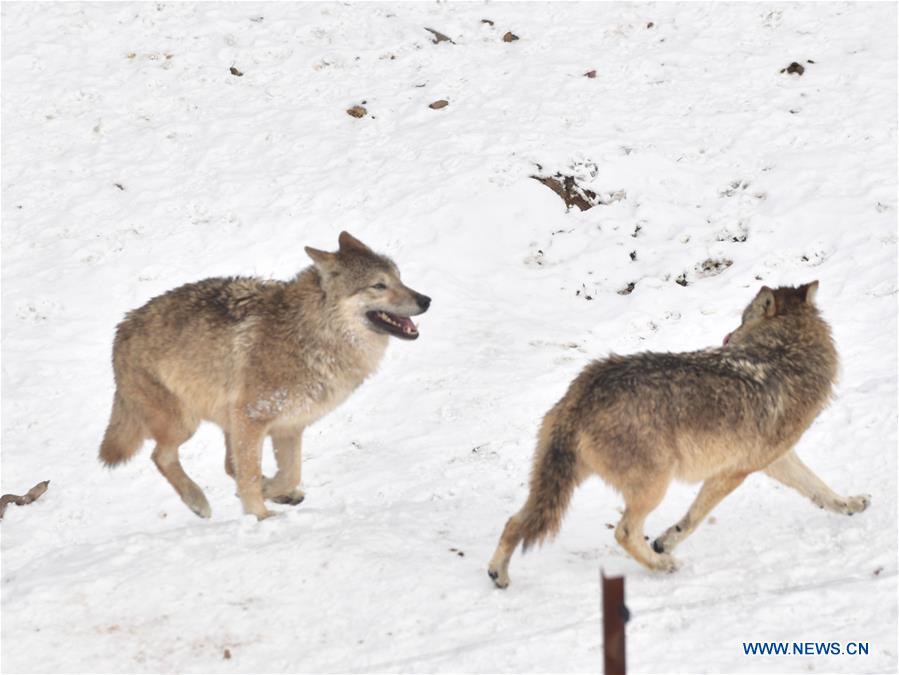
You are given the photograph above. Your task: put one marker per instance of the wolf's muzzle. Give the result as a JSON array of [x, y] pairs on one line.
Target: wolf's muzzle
[[423, 301]]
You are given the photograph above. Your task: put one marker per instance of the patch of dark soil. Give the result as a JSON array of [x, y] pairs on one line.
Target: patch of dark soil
[[713, 266], [570, 192], [793, 68]]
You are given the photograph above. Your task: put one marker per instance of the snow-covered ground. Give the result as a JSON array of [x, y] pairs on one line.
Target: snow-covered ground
[[134, 161]]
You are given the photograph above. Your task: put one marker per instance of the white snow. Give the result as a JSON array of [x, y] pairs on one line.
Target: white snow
[[689, 121]]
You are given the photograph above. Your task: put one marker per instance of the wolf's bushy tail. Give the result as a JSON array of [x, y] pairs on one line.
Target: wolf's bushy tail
[[124, 434], [553, 480]]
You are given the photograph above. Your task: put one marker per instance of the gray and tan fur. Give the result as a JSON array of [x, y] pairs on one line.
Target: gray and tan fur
[[715, 416], [259, 358]]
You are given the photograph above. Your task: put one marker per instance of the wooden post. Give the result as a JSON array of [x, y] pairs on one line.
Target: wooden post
[[614, 615]]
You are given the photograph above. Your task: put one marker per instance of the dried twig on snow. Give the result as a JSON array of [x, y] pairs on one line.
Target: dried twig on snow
[[27, 498]]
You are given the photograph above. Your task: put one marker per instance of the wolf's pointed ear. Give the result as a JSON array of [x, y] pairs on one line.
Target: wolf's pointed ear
[[766, 302], [322, 259], [809, 291], [349, 243]]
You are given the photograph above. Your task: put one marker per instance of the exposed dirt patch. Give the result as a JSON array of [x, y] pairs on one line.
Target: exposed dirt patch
[[735, 232], [712, 267], [570, 192], [734, 187], [794, 68]]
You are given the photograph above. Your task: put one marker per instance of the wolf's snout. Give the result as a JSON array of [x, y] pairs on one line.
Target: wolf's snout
[[423, 301]]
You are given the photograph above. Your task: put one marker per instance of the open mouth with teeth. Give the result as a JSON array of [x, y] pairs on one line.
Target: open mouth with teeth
[[400, 326]]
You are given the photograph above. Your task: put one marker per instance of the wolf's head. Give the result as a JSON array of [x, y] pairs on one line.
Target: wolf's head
[[368, 285], [770, 303]]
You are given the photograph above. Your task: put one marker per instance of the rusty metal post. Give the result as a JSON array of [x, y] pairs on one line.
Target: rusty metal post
[[614, 615]]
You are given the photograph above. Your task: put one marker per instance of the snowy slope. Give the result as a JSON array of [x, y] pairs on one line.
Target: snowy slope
[[720, 156]]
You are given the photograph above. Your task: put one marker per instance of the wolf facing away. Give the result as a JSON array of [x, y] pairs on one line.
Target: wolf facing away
[[259, 358], [715, 416]]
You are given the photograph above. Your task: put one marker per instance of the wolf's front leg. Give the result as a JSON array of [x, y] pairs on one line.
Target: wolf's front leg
[[712, 492], [284, 488], [246, 438], [791, 471]]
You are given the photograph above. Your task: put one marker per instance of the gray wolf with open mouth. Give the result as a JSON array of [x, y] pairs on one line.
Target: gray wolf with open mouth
[[257, 357]]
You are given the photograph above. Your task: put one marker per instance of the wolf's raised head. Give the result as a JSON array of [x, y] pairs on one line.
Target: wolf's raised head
[[368, 284], [769, 304]]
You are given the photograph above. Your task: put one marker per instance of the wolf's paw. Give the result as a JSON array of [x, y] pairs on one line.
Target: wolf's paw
[[196, 501], [265, 513], [664, 563], [666, 541], [500, 577], [276, 491], [292, 498], [856, 504]]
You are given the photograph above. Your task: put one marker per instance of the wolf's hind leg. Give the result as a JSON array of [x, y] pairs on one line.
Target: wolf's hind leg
[[170, 426], [283, 488], [713, 491], [792, 472], [508, 542], [554, 476], [639, 504], [165, 455], [229, 456]]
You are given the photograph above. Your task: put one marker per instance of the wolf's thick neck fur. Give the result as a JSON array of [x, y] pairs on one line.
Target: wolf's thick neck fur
[[312, 312]]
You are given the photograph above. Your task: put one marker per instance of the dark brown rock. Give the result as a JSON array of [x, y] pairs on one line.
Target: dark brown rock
[[794, 67]]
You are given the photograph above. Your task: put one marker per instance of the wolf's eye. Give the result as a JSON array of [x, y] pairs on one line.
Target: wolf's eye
[[379, 286]]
